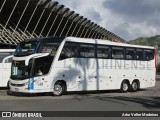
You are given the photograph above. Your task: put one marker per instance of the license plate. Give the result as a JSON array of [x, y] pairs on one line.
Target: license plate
[[16, 89]]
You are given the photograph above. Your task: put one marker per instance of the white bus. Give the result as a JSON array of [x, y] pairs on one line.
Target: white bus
[[6, 56], [58, 64]]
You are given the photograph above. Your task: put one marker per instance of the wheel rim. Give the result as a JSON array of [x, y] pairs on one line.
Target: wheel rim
[[125, 86], [58, 89], [134, 86]]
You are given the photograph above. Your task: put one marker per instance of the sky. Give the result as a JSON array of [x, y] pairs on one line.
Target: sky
[[128, 19]]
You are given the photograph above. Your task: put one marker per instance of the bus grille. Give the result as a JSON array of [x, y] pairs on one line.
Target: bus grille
[[17, 85]]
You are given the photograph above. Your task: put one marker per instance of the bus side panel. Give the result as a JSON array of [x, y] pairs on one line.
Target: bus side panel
[[151, 77], [83, 74], [123, 74], [118, 70], [76, 82], [104, 77], [112, 79], [61, 71], [42, 82], [6, 74], [107, 75], [143, 80], [147, 75], [151, 72], [93, 75], [1, 80]]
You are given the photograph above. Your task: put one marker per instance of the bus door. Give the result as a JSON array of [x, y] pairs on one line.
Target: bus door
[[41, 69]]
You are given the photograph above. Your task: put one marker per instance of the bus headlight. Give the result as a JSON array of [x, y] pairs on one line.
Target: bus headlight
[[24, 84]]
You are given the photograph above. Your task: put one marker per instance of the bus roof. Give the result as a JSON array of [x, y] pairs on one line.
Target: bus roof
[[105, 42], [87, 40], [45, 39]]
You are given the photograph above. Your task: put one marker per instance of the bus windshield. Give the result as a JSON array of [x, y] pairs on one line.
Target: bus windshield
[[26, 48], [20, 71]]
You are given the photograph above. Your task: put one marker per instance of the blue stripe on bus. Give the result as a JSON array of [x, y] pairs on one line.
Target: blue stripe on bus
[[31, 84]]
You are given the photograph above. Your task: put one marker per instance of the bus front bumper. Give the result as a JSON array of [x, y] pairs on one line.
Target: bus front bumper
[[22, 87]]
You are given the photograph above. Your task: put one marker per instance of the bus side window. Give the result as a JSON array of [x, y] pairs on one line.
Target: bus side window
[[87, 50], [149, 55], [42, 65], [117, 53], [69, 50], [103, 51], [130, 54], [139, 54], [49, 48]]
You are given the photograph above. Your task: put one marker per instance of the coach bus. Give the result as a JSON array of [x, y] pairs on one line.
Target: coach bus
[[6, 56], [61, 64]]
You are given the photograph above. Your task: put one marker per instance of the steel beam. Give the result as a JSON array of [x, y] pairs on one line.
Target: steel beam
[[11, 14]]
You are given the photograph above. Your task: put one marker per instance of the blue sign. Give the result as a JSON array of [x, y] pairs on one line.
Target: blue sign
[[31, 84]]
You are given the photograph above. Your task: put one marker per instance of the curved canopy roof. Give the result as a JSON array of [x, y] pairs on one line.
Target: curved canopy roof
[[24, 19]]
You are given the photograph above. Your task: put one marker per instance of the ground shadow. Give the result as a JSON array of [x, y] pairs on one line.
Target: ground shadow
[[149, 103], [18, 94]]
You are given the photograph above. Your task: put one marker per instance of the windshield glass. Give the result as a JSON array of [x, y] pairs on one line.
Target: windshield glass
[[20, 71], [26, 48]]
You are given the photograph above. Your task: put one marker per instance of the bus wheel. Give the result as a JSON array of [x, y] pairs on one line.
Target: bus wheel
[[134, 86], [124, 86], [59, 89]]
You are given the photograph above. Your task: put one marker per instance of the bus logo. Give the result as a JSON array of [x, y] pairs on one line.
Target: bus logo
[[6, 114]]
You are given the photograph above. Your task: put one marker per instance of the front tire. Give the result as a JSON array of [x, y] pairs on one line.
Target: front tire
[[124, 87], [58, 89]]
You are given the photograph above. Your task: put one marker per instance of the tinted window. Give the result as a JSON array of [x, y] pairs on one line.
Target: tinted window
[[130, 53], [139, 54], [117, 53], [26, 48], [86, 50], [49, 48], [42, 69], [69, 50], [102, 51], [149, 54]]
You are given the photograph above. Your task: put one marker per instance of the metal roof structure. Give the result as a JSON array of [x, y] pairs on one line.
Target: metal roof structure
[[25, 19]]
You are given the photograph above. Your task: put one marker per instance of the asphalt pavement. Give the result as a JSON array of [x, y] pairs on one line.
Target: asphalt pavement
[[143, 100]]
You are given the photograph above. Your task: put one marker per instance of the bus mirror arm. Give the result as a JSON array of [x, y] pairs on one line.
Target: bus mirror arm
[[3, 62], [36, 56]]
